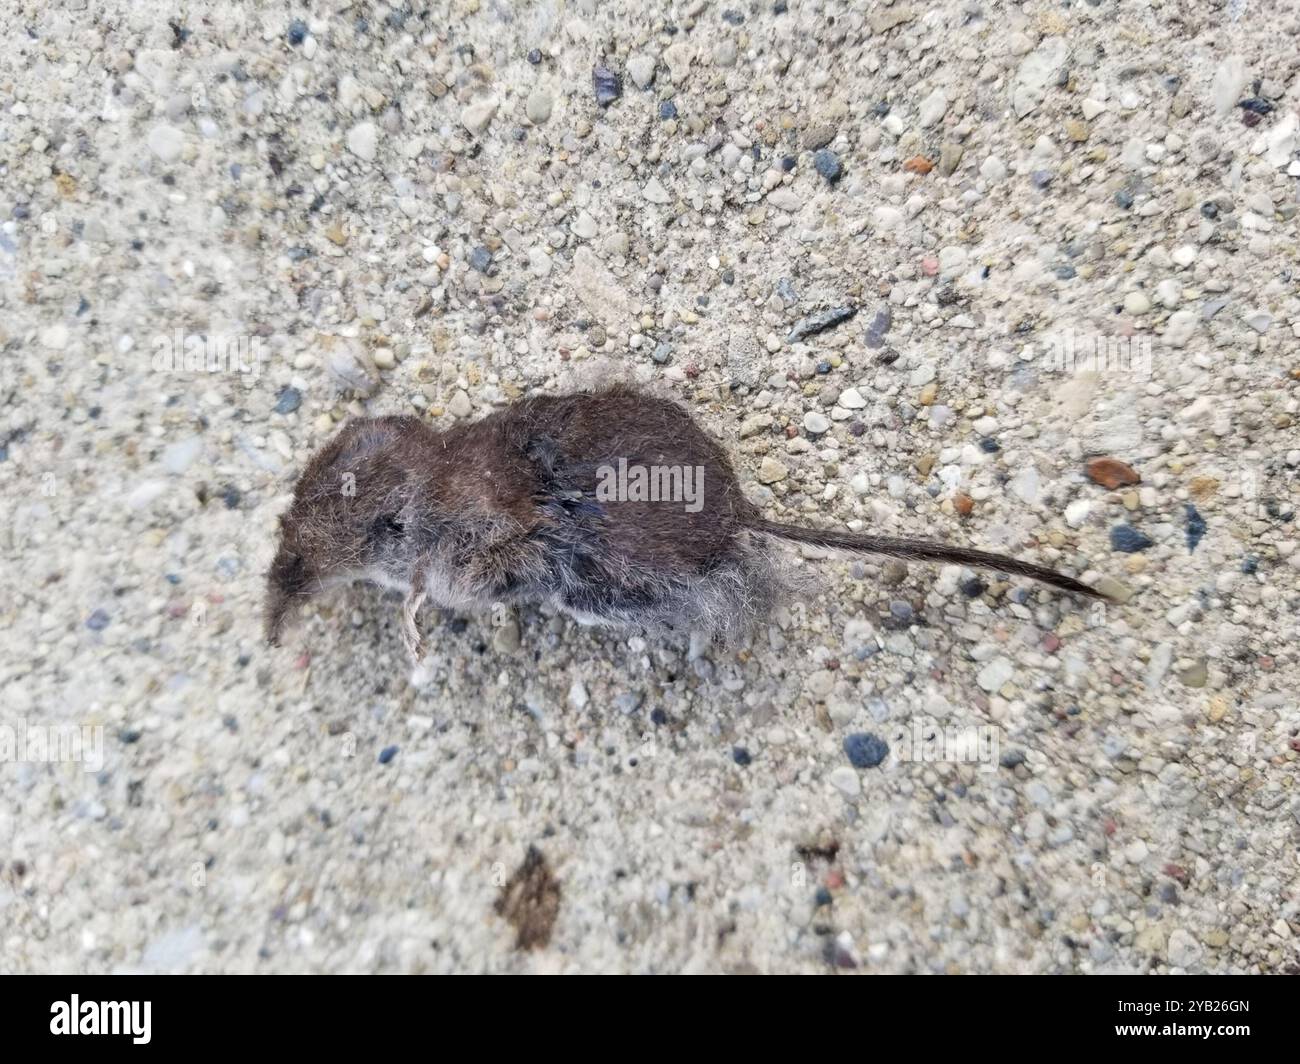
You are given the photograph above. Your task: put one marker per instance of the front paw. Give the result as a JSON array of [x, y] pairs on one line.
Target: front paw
[[412, 638]]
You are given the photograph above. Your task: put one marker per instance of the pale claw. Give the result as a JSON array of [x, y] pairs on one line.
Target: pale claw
[[411, 635]]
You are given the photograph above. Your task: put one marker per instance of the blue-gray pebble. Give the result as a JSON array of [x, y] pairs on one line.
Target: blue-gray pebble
[[865, 750], [1128, 540]]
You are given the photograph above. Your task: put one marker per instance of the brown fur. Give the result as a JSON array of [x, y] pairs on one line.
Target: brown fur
[[506, 510]]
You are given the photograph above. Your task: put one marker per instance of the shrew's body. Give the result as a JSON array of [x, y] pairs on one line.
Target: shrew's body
[[533, 503]]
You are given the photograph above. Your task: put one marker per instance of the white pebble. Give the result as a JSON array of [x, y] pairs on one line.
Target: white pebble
[[933, 108], [845, 780], [993, 170], [816, 423], [363, 140], [994, 676], [1077, 512], [655, 192], [166, 142]]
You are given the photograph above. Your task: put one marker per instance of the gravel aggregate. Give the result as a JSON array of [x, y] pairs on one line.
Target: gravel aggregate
[[920, 267]]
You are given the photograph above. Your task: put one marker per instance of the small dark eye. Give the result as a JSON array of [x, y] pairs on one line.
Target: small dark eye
[[387, 527]]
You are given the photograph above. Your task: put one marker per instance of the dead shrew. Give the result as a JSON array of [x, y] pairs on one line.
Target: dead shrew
[[614, 505]]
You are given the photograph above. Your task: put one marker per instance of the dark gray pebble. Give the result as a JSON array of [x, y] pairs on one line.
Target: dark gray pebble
[[901, 610], [1257, 104], [880, 324], [1128, 540], [865, 750], [828, 165], [608, 85], [1195, 526], [820, 322], [288, 400]]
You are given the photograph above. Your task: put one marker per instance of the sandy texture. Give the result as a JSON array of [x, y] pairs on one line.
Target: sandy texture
[[384, 209]]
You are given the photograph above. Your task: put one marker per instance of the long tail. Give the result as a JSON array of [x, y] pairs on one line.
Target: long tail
[[911, 548]]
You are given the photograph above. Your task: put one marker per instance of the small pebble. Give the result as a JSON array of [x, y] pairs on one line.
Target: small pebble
[[828, 165], [1111, 473], [1195, 526], [607, 84], [1128, 540], [819, 322], [865, 750], [288, 400], [880, 323]]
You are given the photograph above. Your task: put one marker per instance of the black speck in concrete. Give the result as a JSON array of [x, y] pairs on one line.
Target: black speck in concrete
[[1195, 526]]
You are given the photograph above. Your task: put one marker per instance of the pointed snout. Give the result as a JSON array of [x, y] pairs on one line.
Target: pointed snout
[[288, 586]]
